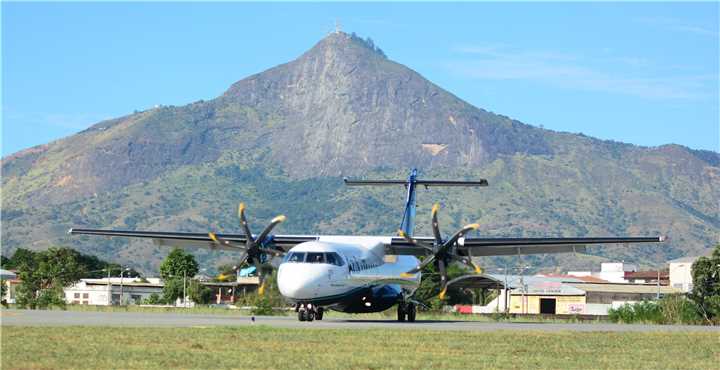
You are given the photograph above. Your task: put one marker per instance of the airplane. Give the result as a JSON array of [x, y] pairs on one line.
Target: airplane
[[361, 274]]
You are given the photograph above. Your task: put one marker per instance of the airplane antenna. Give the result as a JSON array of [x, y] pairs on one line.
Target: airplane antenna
[[337, 27]]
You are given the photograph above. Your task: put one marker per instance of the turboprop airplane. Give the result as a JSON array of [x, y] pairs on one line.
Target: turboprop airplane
[[358, 274]]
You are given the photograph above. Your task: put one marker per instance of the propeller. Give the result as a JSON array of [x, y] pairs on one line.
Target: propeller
[[254, 246], [441, 251]]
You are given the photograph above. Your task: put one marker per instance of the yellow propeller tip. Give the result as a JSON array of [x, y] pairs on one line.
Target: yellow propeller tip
[[280, 218], [401, 233], [478, 270], [406, 275], [241, 207], [473, 226], [213, 237], [442, 294], [435, 207]]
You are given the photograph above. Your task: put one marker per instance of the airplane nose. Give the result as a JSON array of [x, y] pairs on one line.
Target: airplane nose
[[297, 282]]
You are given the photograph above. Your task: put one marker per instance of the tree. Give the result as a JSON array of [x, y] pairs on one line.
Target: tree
[[43, 276], [178, 264], [706, 284], [429, 288], [199, 293], [20, 256]]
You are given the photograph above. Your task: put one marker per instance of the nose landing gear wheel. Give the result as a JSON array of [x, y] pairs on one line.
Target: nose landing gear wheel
[[302, 315]]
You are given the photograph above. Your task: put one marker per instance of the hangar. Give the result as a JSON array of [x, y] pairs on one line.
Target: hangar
[[557, 294]]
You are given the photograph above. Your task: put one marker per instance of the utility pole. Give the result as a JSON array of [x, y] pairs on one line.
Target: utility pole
[[121, 285], [109, 288], [657, 297], [184, 294]]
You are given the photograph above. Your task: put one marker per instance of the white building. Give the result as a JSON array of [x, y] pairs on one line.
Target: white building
[[681, 273], [103, 292], [613, 272]]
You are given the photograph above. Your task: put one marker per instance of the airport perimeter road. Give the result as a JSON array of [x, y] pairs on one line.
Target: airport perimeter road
[[140, 319]]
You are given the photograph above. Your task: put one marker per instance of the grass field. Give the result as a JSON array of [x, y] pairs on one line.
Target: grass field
[[389, 314], [265, 347]]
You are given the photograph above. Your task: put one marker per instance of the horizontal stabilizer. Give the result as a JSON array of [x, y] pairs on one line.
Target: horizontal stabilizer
[[426, 183]]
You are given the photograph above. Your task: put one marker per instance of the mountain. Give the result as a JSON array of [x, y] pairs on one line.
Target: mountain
[[282, 140]]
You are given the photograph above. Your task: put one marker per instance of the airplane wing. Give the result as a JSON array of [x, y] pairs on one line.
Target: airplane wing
[[197, 240], [478, 247], [395, 245]]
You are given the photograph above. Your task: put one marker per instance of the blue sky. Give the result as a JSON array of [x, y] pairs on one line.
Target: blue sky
[[634, 72]]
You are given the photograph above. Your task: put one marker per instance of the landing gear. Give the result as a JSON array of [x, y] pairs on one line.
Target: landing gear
[[406, 310], [411, 311], [309, 312]]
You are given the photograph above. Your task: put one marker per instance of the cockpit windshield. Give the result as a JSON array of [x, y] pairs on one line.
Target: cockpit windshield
[[331, 258], [296, 257], [313, 257]]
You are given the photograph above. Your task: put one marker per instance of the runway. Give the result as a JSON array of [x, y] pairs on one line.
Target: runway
[[142, 319]]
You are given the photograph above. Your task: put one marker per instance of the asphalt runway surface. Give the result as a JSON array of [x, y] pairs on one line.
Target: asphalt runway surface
[[156, 319]]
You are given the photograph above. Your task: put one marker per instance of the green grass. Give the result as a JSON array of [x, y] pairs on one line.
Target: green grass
[[385, 315], [278, 348]]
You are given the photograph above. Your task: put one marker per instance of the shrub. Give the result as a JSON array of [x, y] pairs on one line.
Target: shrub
[[676, 309]]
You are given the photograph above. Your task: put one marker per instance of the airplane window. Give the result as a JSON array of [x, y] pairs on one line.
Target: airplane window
[[315, 257], [330, 257], [296, 257], [334, 259]]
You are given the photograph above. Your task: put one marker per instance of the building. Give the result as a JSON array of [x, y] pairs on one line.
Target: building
[[113, 291], [582, 298], [229, 292], [681, 273], [648, 277], [613, 272], [563, 294], [9, 278]]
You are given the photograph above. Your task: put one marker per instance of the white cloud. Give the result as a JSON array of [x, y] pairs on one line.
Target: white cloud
[[72, 121], [498, 62], [674, 24]]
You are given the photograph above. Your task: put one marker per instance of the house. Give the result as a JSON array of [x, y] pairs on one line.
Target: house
[[105, 292]]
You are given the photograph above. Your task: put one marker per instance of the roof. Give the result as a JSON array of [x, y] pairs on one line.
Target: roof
[[7, 274], [480, 281], [688, 259], [647, 274], [625, 288], [125, 283], [586, 278]]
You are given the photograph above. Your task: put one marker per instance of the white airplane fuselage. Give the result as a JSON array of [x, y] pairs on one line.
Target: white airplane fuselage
[[346, 274]]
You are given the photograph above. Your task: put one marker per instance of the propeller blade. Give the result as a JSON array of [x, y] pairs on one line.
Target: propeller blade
[[459, 234], [418, 243], [420, 267], [275, 221], [261, 277], [443, 279], [246, 229], [436, 224], [468, 262], [414, 241], [218, 240]]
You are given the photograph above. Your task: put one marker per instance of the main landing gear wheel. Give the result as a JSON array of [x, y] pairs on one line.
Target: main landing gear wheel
[[406, 311], [319, 313], [411, 311]]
